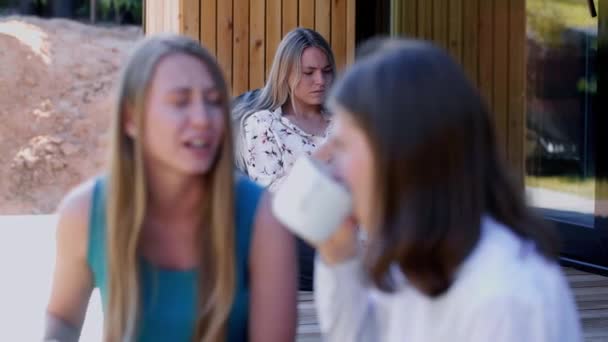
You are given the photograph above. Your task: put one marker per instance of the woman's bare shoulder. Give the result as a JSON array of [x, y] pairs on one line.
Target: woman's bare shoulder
[[73, 217], [78, 200]]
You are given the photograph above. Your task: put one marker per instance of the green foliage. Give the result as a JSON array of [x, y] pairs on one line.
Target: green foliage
[[585, 85], [133, 7], [545, 22], [124, 5], [115, 10], [548, 18]]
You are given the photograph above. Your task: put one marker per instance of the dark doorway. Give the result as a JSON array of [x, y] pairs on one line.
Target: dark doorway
[[372, 18]]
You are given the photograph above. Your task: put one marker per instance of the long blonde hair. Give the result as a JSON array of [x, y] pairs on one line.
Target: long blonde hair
[[127, 195], [285, 74]]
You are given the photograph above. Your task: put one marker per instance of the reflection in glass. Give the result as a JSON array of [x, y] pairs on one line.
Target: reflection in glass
[[562, 83]]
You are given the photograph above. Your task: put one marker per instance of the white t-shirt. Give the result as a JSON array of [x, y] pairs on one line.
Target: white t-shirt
[[504, 291]]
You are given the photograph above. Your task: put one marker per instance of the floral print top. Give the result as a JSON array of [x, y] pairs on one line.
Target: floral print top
[[272, 145]]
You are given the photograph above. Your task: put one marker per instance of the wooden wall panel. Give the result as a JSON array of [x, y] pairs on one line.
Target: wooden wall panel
[[425, 19], [455, 27], [190, 25], [290, 16], [209, 25], [244, 34], [240, 61], [323, 18], [164, 22], [273, 30], [488, 38], [162, 16], [410, 9], [351, 8], [172, 19], [150, 19], [440, 22], [257, 44], [306, 14], [338, 38], [470, 38], [225, 26], [485, 49]]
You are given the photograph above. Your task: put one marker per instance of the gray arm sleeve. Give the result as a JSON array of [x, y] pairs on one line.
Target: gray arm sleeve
[[59, 330]]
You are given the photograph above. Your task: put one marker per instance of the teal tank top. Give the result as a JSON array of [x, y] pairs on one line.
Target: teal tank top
[[169, 297]]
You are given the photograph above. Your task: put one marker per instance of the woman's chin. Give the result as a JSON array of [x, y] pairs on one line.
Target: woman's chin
[[196, 169]]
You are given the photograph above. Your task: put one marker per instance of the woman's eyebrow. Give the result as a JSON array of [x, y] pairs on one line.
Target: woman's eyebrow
[[185, 89], [308, 67], [179, 90]]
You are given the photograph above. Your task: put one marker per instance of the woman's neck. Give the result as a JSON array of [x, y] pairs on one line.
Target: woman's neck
[[173, 197], [172, 226], [302, 109]]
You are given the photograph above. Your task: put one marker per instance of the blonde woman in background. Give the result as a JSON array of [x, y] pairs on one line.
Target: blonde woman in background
[[180, 248], [287, 118]]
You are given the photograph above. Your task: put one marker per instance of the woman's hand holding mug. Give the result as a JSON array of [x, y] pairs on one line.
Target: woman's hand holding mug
[[317, 208]]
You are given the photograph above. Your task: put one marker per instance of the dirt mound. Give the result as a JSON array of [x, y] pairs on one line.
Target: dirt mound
[[56, 86]]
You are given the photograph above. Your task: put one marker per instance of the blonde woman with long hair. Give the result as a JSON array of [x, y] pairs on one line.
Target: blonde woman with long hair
[[180, 247], [287, 118]]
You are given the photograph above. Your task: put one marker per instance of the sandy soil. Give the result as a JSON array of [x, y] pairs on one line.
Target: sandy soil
[[56, 96]]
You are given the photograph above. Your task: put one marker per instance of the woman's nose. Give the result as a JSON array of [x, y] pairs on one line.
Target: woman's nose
[[199, 115], [320, 78]]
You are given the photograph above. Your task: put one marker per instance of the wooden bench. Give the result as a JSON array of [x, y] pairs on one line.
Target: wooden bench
[[308, 327]]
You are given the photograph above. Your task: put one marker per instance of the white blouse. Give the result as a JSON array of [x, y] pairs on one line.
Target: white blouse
[[504, 292], [272, 145]]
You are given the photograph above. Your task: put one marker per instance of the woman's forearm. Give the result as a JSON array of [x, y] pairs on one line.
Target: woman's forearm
[[344, 305]]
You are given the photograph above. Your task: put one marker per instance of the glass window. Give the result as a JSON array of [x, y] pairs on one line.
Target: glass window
[[562, 50]]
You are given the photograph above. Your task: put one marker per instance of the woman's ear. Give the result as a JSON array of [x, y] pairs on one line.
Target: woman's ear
[[128, 123]]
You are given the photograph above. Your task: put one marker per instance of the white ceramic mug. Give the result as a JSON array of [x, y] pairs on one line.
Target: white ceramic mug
[[310, 203]]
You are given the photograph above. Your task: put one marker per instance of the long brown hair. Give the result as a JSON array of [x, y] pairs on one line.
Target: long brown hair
[[127, 196], [438, 169]]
